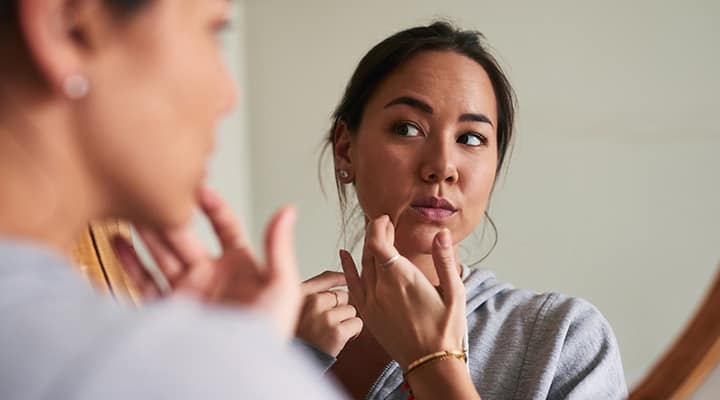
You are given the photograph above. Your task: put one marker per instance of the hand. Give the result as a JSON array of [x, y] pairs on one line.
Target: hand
[[327, 321], [408, 316], [235, 277]]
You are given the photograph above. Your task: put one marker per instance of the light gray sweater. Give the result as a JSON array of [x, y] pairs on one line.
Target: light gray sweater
[[526, 346], [59, 340]]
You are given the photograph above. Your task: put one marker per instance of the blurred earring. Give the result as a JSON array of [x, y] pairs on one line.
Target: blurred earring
[[76, 86], [343, 174]]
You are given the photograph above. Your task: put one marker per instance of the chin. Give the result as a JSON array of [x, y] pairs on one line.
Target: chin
[[166, 213], [178, 215], [418, 241]]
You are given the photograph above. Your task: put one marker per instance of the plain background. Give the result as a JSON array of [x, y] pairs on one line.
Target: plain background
[[612, 192]]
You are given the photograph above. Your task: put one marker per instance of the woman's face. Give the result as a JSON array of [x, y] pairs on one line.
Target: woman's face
[[425, 152], [159, 87]]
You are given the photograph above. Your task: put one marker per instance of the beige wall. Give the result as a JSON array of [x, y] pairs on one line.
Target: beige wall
[[612, 192]]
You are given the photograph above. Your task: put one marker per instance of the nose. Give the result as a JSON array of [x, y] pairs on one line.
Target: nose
[[228, 92], [438, 165]]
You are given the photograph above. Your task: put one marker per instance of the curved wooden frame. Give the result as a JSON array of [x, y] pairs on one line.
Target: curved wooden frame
[[692, 357], [96, 260]]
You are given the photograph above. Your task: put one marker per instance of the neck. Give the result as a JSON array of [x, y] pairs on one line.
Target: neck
[[425, 263], [44, 189]]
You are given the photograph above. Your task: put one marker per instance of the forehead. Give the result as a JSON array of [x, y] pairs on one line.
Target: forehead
[[447, 80]]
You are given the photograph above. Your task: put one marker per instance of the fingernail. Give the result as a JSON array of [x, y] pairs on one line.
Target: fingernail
[[443, 238], [292, 214], [208, 195]]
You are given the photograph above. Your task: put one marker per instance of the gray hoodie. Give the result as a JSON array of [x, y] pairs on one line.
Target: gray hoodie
[[60, 340], [524, 345]]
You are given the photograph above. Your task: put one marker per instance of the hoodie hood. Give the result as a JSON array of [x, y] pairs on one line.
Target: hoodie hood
[[480, 286]]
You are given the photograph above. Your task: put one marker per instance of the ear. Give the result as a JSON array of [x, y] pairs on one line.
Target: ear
[[57, 36], [342, 141]]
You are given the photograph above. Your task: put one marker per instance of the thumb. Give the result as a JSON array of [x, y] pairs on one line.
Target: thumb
[[447, 268], [281, 273], [280, 246]]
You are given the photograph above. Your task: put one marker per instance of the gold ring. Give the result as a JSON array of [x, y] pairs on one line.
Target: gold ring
[[337, 298], [390, 261]]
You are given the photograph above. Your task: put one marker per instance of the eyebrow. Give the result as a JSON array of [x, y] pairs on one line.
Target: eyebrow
[[427, 109]]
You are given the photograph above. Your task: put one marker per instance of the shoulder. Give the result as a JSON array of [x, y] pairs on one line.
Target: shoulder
[[565, 321], [561, 343], [570, 317], [571, 338], [549, 311]]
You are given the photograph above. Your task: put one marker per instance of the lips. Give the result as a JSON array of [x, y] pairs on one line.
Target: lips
[[434, 208]]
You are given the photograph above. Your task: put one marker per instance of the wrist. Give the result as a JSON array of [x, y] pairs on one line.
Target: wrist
[[444, 377]]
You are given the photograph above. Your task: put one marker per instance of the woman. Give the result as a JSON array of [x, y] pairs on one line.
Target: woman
[[107, 110], [420, 135]]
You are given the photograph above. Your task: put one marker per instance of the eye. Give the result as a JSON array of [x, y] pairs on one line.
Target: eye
[[472, 139], [407, 129]]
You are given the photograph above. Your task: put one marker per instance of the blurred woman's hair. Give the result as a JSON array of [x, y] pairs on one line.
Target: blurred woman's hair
[[8, 9]]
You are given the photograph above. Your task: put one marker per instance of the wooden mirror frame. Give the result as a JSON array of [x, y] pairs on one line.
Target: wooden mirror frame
[[676, 375], [693, 356], [95, 259]]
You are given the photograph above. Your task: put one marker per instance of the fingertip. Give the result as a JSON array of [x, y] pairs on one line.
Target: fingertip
[[292, 213], [208, 197], [348, 265], [283, 218], [342, 253], [443, 239], [287, 214]]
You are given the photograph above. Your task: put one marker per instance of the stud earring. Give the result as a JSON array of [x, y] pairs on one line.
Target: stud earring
[[76, 86], [343, 174]]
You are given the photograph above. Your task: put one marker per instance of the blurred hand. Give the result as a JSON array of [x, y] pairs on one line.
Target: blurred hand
[[327, 321], [407, 315], [236, 277]]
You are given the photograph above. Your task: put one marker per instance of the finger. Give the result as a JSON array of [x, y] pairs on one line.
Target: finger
[[380, 242], [342, 296], [368, 274], [323, 301], [324, 281], [235, 275], [166, 260], [446, 267], [135, 269], [339, 314], [351, 328], [223, 220], [187, 247], [355, 285], [280, 246], [200, 281]]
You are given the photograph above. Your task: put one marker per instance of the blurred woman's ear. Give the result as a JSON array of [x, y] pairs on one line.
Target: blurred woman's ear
[[59, 36]]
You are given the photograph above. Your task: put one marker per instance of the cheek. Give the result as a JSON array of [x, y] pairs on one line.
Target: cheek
[[384, 179], [477, 180], [148, 134]]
